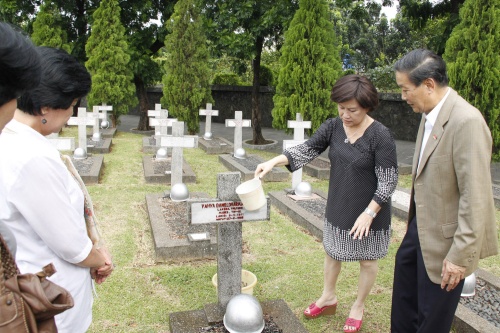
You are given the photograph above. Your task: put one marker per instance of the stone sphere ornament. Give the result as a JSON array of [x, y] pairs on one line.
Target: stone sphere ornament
[[244, 315], [79, 154], [208, 136], [240, 153], [179, 192], [161, 154], [303, 189], [105, 124], [96, 137]]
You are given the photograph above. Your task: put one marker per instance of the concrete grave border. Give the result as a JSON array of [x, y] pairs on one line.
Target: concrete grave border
[[188, 175]]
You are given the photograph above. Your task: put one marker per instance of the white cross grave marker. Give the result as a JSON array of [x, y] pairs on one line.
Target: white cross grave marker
[[105, 108], [61, 143], [298, 126], [178, 141], [228, 213], [82, 121], [238, 123], [95, 116], [208, 112]]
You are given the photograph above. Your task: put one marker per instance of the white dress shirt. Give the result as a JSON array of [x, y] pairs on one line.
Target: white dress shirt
[[43, 206], [430, 120]]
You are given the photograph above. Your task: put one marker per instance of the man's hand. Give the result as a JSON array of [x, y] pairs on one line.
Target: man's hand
[[451, 274]]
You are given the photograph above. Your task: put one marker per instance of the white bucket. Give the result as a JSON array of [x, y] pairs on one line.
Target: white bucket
[[251, 194]]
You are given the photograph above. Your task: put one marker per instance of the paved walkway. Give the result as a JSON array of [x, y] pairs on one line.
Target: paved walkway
[[404, 149]]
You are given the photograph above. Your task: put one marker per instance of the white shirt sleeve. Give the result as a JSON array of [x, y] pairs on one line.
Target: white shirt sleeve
[[52, 206]]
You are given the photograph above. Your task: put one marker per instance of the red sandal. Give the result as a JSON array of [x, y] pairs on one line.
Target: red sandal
[[351, 322], [315, 312]]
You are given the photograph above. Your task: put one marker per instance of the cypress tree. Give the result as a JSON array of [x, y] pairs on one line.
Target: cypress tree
[[108, 61], [473, 60], [186, 84], [47, 29], [310, 64]]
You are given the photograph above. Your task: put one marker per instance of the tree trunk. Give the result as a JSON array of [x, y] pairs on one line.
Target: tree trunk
[[142, 94], [258, 138]]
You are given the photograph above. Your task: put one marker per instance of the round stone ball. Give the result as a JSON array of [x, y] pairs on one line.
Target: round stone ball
[[244, 315]]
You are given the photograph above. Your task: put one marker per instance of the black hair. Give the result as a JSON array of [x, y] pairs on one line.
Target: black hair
[[421, 64], [356, 87], [64, 79], [20, 67]]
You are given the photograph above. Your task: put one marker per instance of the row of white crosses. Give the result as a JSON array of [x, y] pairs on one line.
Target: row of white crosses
[[85, 119], [160, 121]]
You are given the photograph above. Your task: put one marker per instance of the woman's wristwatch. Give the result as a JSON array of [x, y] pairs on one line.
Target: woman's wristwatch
[[370, 212]]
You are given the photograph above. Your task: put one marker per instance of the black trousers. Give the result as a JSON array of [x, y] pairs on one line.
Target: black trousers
[[418, 304]]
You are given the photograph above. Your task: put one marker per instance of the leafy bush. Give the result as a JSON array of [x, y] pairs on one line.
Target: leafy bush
[[383, 78], [230, 79]]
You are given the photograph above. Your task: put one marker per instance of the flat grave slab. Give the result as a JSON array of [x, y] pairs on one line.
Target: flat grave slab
[[90, 168], [310, 213], [102, 146], [216, 146], [154, 171], [170, 236], [193, 321], [105, 132], [247, 168]]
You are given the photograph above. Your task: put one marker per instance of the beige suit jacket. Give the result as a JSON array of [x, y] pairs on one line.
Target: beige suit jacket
[[451, 192]]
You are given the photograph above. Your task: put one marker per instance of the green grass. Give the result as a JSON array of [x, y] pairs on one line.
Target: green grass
[[287, 260]]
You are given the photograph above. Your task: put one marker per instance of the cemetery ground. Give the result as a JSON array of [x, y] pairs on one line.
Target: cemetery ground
[[287, 260]]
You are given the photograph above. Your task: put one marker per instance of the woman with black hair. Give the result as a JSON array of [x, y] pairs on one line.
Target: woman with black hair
[[19, 70], [42, 199]]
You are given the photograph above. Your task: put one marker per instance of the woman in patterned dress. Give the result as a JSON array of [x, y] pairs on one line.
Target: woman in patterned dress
[[363, 176]]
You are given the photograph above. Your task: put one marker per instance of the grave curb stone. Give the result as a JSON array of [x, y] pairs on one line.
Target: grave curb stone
[[93, 176], [191, 321], [297, 214], [466, 320], [276, 175], [206, 146], [156, 178], [317, 172], [104, 147], [174, 250]]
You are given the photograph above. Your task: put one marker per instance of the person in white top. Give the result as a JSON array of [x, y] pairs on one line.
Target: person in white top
[[20, 70], [40, 200]]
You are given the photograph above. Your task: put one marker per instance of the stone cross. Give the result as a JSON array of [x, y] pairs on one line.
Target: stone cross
[[105, 108], [228, 213], [156, 113], [62, 144], [82, 121], [161, 125], [298, 126], [208, 112], [238, 123], [178, 141], [95, 115]]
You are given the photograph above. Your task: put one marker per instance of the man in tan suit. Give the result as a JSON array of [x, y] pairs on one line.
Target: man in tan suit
[[451, 199]]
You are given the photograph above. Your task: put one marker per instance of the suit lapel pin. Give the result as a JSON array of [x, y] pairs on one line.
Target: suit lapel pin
[[434, 137]]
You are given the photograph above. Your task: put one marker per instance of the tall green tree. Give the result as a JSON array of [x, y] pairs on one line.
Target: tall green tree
[[242, 28], [310, 65], [473, 60], [186, 84], [47, 28], [108, 62]]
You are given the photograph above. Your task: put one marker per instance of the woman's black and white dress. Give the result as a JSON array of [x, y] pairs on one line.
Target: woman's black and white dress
[[360, 172]]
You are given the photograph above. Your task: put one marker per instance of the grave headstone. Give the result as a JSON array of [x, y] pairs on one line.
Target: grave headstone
[[95, 116], [208, 112], [82, 122], [298, 126], [238, 123], [178, 141], [228, 213], [61, 143]]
